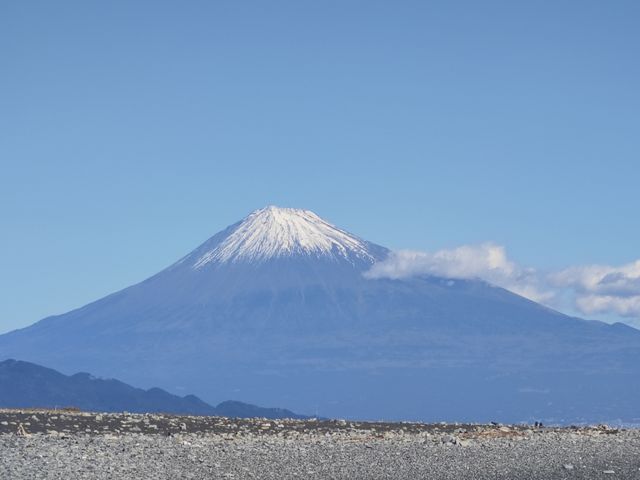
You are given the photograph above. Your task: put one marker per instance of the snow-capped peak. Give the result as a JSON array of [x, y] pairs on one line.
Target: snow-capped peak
[[278, 232]]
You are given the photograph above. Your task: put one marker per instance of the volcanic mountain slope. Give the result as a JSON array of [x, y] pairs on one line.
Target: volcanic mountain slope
[[276, 310]]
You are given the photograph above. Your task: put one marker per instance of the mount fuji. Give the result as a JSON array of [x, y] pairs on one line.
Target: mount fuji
[[277, 310]]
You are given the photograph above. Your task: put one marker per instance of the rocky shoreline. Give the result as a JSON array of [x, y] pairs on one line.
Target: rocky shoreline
[[63, 444]]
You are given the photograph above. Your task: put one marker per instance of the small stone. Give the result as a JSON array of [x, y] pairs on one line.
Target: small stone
[[449, 440], [609, 472], [21, 431], [567, 466]]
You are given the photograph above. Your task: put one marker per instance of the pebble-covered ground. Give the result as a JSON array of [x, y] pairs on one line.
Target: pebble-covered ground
[[46, 444]]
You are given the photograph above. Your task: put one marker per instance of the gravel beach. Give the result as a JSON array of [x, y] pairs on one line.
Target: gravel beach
[[47, 444]]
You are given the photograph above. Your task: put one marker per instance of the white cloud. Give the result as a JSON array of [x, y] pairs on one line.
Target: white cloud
[[603, 279], [603, 288], [486, 261], [467, 261], [624, 306], [587, 289]]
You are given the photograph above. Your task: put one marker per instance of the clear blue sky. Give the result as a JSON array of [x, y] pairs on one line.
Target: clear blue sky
[[132, 131]]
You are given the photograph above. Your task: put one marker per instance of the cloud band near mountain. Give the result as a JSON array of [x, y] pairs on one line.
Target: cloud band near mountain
[[588, 289]]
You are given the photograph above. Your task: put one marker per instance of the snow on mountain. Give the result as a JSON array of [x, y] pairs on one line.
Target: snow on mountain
[[274, 232]]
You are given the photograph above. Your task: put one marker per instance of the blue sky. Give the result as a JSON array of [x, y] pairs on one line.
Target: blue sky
[[132, 131]]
